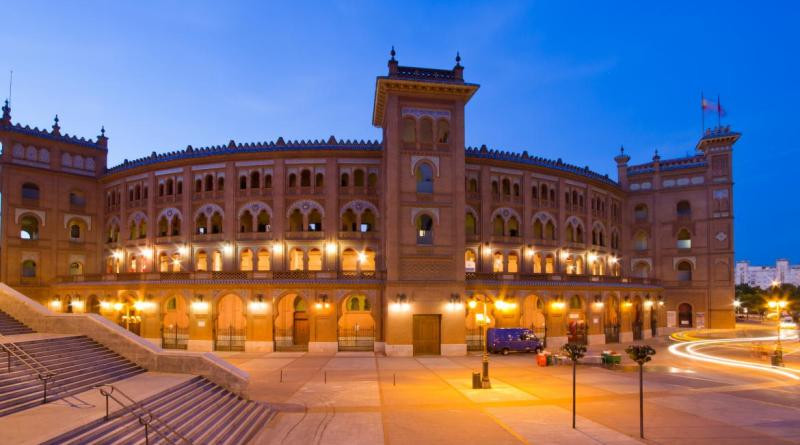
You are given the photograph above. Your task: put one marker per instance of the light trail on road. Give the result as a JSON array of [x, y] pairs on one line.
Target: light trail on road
[[690, 350]]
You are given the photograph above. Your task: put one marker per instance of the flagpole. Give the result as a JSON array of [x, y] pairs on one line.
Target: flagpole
[[719, 112], [702, 114]]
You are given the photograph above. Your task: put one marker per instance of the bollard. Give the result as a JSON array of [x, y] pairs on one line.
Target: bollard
[[476, 380], [394, 379], [326, 377], [281, 375]]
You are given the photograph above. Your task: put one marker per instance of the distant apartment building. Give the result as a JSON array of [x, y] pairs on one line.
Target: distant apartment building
[[764, 276]]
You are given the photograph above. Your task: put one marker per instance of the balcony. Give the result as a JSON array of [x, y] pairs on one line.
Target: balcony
[[209, 195], [358, 235], [169, 199], [570, 278], [253, 236], [204, 237], [305, 235]]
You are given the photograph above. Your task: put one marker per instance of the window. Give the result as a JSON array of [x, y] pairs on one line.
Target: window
[[424, 229], [163, 262], [202, 224], [358, 178], [349, 221], [640, 241], [319, 180], [292, 180], [246, 222], [575, 302], [255, 180], [263, 260], [296, 221], [684, 269], [537, 262], [176, 262], [684, 239], [315, 259], [344, 181], [424, 176], [513, 263], [163, 226], [470, 260], [246, 260], [538, 229], [409, 130], [372, 180], [497, 262], [641, 270], [315, 221], [442, 131], [242, 182], [550, 231], [74, 231], [471, 225], [684, 209], [262, 222], [640, 213], [513, 227], [498, 226], [30, 191], [349, 260], [296, 259], [220, 183], [216, 223], [216, 261], [367, 221], [305, 178], [76, 268], [201, 264], [267, 181], [506, 187], [549, 264], [29, 228], [198, 186], [170, 187], [77, 199], [472, 186], [28, 269]]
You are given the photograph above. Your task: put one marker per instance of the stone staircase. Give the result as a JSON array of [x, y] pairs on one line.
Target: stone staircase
[[10, 326], [198, 412], [78, 364]]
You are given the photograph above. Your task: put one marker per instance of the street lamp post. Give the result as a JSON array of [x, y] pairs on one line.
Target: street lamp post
[[778, 305], [485, 382]]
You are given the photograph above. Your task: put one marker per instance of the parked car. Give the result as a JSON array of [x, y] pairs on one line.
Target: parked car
[[505, 340]]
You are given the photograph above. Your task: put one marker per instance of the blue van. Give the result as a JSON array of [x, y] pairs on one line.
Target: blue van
[[505, 340]]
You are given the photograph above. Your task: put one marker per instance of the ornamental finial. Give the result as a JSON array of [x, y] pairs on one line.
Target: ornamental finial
[[103, 130], [458, 58], [392, 53], [56, 127]]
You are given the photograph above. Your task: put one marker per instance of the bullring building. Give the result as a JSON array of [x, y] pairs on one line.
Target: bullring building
[[403, 245]]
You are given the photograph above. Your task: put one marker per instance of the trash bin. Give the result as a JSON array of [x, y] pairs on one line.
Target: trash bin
[[541, 359], [550, 361], [476, 380]]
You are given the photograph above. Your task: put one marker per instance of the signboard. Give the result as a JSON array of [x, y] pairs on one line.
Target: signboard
[[701, 320], [574, 316], [672, 317]]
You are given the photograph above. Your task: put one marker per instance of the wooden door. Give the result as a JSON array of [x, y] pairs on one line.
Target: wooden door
[[427, 334], [300, 337]]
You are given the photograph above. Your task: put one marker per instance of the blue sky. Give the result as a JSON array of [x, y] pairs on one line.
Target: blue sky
[[564, 80]]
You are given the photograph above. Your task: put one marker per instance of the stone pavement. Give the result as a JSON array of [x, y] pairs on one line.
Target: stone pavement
[[366, 399]]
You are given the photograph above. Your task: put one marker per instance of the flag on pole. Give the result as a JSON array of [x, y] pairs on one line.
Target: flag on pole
[[707, 105]]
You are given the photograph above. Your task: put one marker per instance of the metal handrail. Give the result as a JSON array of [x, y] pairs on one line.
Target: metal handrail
[[43, 372], [145, 419]]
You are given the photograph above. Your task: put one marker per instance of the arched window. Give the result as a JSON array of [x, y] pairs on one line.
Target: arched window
[[28, 269], [170, 187], [424, 227], [684, 269], [319, 180], [216, 223], [426, 130], [538, 229], [442, 131], [255, 180], [209, 183], [163, 226], [262, 221], [176, 262], [470, 260], [163, 262], [160, 189], [513, 227], [349, 221], [349, 260], [472, 186], [242, 182], [296, 259], [424, 176], [305, 178], [78, 199], [314, 221], [30, 191], [409, 130], [495, 188], [292, 180], [515, 188], [537, 262], [550, 231], [367, 260], [367, 221], [246, 260], [201, 224], [570, 233], [75, 232], [198, 185], [263, 260], [142, 229], [296, 221], [201, 263], [575, 302], [220, 183], [358, 178], [216, 261], [641, 270], [498, 226], [684, 239], [640, 241], [267, 181], [372, 180], [471, 225], [506, 187], [246, 222], [344, 180], [175, 226], [684, 209], [29, 228], [550, 264], [640, 213], [579, 234], [179, 187], [513, 263], [497, 262], [357, 303]]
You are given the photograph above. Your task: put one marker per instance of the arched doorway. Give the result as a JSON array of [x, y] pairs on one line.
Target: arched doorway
[[93, 304], [637, 318], [685, 315], [576, 321], [175, 323], [292, 324], [230, 325], [356, 327], [127, 315], [533, 316], [612, 320]]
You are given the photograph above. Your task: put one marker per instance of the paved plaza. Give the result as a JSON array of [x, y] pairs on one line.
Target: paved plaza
[[360, 398]]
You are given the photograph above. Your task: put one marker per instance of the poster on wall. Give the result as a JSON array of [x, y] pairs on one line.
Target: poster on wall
[[671, 318], [701, 320]]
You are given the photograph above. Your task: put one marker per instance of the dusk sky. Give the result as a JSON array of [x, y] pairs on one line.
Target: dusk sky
[[558, 79]]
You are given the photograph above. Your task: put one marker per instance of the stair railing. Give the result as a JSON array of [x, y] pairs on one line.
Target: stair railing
[[44, 374], [146, 417]]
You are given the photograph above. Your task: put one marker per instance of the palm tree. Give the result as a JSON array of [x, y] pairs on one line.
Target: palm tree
[[575, 352], [641, 354]]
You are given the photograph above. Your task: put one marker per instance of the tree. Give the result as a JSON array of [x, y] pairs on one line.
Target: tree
[[641, 354], [575, 352]]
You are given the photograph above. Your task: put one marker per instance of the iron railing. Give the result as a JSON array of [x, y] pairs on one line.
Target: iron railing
[[229, 339], [175, 338], [360, 339], [146, 417]]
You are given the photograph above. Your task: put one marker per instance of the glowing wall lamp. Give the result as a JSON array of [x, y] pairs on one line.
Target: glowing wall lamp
[[400, 303], [598, 301], [258, 306], [454, 302], [55, 304], [330, 248], [558, 304], [627, 303], [199, 306], [322, 302]]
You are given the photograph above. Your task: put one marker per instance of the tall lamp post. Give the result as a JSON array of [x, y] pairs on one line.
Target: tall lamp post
[[483, 322], [778, 306]]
